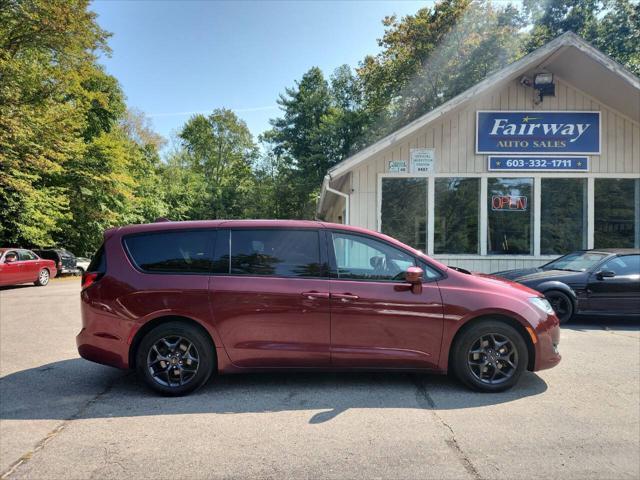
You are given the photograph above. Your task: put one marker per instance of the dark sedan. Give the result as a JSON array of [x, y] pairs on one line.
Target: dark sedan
[[602, 282]]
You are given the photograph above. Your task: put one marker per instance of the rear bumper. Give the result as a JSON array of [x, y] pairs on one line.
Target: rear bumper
[[66, 270], [103, 350], [103, 338]]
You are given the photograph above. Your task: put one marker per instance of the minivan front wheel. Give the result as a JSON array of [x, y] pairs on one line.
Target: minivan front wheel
[[175, 358], [490, 356]]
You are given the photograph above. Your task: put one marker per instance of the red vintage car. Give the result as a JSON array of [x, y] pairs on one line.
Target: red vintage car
[[18, 265], [178, 301]]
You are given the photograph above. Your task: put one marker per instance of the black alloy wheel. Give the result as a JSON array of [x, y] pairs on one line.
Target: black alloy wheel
[[561, 304], [489, 356], [175, 358], [493, 359], [173, 361]]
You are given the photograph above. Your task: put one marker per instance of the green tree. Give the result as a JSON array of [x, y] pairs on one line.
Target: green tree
[[277, 189], [185, 190], [46, 47], [73, 160], [612, 26], [101, 191], [432, 56], [298, 131], [115, 180], [221, 149], [322, 123]]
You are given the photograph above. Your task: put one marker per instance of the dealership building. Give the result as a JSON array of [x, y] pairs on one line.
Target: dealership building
[[539, 159]]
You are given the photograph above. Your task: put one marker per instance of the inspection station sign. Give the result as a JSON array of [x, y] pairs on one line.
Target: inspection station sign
[[538, 164], [547, 133], [422, 160]]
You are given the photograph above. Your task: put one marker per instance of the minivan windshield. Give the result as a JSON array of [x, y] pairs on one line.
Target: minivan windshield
[[575, 262]]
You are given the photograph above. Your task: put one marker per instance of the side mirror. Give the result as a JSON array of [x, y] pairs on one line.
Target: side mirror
[[605, 274], [413, 275]]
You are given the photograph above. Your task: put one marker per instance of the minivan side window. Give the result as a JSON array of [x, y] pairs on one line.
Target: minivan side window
[[181, 252], [276, 252], [364, 258]]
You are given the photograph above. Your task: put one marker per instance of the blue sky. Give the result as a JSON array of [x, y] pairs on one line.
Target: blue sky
[[177, 57]]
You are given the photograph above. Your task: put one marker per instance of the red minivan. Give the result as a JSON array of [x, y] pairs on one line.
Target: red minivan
[[178, 301]]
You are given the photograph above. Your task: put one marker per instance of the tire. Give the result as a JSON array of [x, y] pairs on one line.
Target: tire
[[562, 305], [468, 365], [160, 351], [79, 272], [43, 278]]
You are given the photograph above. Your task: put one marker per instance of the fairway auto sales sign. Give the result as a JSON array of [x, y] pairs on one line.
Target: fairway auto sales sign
[[550, 133]]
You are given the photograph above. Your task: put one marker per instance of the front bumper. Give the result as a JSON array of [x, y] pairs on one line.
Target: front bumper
[[546, 342]]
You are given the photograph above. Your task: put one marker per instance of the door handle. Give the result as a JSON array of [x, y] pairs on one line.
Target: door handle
[[313, 295], [345, 297]]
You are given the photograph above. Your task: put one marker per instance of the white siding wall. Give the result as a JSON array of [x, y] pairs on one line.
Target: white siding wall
[[453, 138]]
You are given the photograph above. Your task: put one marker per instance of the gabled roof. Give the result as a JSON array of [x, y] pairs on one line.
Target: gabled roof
[[617, 88]]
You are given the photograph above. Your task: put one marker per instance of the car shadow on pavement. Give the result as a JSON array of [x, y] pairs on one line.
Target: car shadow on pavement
[[72, 389], [16, 287]]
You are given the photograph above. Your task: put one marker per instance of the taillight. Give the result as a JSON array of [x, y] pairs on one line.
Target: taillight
[[89, 278]]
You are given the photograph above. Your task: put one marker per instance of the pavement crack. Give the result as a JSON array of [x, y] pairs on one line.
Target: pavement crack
[[58, 429], [425, 400]]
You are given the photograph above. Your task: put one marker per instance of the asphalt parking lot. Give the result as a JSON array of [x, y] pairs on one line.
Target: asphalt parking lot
[[64, 417]]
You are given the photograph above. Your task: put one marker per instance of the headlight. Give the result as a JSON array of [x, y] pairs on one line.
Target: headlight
[[542, 304]]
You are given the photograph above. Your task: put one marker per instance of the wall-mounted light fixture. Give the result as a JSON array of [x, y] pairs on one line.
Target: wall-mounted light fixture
[[543, 83]]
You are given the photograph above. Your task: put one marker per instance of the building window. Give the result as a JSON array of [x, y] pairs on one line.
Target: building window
[[616, 212], [563, 209], [404, 210], [457, 202], [510, 216]]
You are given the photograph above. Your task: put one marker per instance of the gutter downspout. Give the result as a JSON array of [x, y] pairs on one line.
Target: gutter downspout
[[346, 197]]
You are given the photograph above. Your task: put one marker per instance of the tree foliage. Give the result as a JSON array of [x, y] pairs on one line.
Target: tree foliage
[[70, 164], [612, 26], [75, 160], [220, 149]]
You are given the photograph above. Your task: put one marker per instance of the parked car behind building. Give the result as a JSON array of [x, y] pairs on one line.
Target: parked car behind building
[[64, 259]]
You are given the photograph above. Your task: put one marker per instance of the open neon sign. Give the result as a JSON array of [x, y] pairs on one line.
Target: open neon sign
[[508, 203]]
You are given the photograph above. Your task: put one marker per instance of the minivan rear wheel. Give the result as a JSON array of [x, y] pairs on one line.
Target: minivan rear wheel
[[489, 356], [175, 358]]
